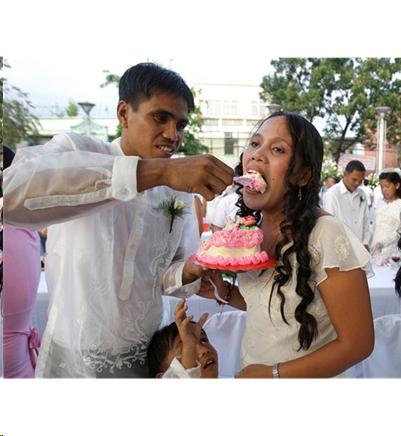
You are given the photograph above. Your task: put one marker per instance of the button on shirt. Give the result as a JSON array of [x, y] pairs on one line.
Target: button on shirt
[[349, 207], [110, 254]]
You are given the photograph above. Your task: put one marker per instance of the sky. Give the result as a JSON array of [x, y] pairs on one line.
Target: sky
[[57, 51]]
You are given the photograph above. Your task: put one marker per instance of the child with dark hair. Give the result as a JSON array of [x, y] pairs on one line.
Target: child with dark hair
[[387, 221], [310, 316], [182, 349]]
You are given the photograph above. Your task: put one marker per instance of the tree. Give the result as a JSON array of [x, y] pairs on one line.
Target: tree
[[191, 145], [72, 109], [343, 91], [19, 123]]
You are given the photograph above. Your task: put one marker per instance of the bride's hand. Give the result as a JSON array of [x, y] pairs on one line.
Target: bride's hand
[[206, 290], [191, 271], [255, 371]]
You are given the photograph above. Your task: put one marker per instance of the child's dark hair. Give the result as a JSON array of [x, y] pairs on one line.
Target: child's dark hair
[[301, 212], [143, 80], [159, 347], [392, 177]]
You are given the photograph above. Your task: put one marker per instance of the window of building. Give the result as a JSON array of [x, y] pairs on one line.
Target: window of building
[[229, 143]]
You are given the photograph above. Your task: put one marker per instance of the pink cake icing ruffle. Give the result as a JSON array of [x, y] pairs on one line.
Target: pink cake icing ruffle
[[235, 236]]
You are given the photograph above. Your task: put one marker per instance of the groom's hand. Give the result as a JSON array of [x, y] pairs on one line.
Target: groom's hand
[[205, 174]]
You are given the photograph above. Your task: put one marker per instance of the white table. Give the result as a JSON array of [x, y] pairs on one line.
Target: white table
[[382, 294]]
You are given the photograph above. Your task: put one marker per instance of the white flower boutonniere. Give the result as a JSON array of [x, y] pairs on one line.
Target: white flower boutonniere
[[172, 208]]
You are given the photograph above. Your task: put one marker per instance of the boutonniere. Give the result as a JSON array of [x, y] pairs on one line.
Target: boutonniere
[[172, 208]]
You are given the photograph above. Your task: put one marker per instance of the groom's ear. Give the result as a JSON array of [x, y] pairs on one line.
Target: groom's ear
[[122, 113]]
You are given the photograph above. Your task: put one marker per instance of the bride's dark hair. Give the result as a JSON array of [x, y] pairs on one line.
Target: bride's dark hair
[[301, 206]]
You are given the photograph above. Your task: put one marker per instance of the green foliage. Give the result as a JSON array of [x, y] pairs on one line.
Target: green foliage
[[191, 145], [343, 91], [72, 109], [17, 118]]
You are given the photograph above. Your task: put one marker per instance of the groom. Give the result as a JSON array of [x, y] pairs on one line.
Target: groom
[[112, 246]]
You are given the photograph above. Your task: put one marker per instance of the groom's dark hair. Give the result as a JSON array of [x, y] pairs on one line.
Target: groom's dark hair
[[141, 81], [159, 347]]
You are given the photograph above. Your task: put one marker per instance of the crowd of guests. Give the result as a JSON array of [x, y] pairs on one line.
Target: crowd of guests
[[123, 222]]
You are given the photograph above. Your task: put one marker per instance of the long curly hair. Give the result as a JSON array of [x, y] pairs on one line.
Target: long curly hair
[[301, 210]]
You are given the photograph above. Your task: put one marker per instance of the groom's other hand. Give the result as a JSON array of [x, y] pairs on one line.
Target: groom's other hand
[[204, 174]]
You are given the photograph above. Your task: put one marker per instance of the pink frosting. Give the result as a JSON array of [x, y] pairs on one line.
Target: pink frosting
[[242, 260], [234, 238], [253, 180]]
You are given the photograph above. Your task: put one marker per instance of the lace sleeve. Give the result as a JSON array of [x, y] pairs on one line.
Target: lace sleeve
[[69, 177], [333, 245]]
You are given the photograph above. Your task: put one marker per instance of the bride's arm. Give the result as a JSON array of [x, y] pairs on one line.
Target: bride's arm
[[346, 296]]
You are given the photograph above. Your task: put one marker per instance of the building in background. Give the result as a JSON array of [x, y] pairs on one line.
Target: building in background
[[230, 112]]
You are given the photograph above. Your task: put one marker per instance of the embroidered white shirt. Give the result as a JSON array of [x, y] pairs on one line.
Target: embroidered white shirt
[[110, 256], [349, 207]]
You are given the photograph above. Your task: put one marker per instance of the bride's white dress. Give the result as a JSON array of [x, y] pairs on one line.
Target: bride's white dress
[[268, 339], [387, 226]]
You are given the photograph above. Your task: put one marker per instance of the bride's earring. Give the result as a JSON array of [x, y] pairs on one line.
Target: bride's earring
[[299, 193]]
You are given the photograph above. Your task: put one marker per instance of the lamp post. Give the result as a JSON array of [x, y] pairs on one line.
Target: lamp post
[[382, 111], [273, 107], [87, 107]]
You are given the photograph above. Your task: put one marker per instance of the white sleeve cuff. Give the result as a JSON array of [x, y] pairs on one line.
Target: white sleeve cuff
[[172, 282], [124, 178], [176, 370]]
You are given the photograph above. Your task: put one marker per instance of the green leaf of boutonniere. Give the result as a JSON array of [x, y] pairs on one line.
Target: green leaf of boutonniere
[[172, 208]]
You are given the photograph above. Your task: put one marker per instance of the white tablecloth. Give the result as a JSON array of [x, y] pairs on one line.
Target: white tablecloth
[[382, 294]]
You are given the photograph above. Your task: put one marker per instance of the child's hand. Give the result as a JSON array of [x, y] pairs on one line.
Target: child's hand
[[189, 333]]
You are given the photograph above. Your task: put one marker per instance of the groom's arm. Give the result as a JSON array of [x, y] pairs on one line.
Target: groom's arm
[[68, 177], [73, 176]]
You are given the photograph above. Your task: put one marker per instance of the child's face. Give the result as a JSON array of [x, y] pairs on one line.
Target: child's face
[[269, 152], [206, 355]]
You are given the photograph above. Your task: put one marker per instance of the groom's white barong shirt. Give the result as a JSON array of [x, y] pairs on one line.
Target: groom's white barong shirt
[[110, 255], [349, 207]]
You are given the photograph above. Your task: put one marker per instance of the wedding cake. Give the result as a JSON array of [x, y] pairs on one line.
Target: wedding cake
[[235, 248]]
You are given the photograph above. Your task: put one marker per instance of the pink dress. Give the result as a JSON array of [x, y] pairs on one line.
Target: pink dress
[[21, 272]]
